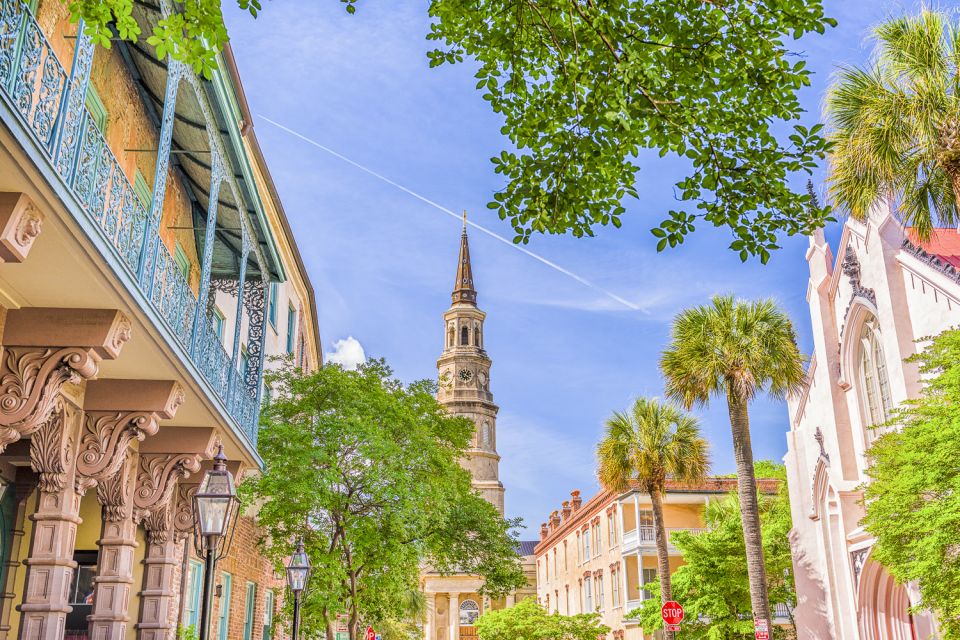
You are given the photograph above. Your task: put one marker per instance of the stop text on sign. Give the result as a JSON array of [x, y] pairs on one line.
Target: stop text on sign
[[671, 612]]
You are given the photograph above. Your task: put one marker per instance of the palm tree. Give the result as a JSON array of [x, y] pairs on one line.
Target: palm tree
[[652, 442], [735, 349], [896, 124]]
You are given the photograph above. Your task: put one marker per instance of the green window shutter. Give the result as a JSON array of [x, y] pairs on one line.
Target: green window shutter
[[291, 328], [142, 189], [225, 593], [268, 616], [194, 592], [97, 111], [218, 320], [272, 305], [183, 262], [249, 601]]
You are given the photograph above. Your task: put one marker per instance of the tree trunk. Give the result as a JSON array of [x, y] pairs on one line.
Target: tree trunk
[[663, 554], [749, 510]]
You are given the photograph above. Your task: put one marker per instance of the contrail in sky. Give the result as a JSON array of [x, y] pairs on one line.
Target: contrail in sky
[[435, 205]]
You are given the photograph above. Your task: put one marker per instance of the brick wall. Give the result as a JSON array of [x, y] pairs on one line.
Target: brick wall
[[246, 564]]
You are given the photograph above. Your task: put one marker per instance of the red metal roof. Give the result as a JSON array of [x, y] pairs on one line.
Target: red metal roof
[[943, 243]]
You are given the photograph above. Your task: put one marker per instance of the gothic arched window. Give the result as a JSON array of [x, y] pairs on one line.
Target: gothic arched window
[[464, 336], [874, 382], [469, 612]]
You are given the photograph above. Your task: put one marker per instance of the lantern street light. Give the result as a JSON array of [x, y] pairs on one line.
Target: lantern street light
[[214, 517], [298, 571]]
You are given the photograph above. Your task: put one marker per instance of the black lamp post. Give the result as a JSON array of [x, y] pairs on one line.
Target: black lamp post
[[298, 571], [214, 518]]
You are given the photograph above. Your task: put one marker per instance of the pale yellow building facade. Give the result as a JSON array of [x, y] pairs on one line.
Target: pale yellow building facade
[[596, 555]]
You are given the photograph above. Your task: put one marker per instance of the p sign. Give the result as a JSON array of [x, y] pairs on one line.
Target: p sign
[[763, 635], [671, 612], [370, 634]]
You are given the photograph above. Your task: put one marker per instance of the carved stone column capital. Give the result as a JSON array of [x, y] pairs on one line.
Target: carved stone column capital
[[43, 349], [113, 492], [50, 449], [157, 476], [117, 412], [20, 224]]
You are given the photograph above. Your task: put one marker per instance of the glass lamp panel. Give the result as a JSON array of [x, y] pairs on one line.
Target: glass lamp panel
[[213, 514], [297, 578]]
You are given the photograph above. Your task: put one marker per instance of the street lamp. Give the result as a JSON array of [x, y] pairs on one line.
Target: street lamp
[[298, 571], [214, 517]]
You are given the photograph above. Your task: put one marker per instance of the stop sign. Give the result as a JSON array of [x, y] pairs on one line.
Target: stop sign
[[672, 612], [370, 634]]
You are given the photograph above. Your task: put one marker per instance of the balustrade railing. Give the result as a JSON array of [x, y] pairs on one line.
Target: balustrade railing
[[50, 104]]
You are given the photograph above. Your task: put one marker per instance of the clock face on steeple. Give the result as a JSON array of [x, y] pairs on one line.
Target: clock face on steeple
[[465, 375]]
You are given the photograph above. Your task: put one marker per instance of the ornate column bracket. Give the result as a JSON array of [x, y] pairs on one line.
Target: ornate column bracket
[[43, 349], [117, 412], [20, 224], [172, 455], [50, 451]]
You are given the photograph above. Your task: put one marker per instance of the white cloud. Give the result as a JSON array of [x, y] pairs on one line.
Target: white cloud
[[348, 353]]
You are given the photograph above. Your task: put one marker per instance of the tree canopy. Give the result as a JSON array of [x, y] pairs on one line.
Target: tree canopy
[[712, 583], [527, 620], [584, 88], [366, 469], [913, 498], [895, 124]]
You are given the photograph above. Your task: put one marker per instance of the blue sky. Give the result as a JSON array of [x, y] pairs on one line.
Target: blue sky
[[382, 262]]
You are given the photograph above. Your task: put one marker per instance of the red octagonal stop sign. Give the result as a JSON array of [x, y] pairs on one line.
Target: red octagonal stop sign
[[672, 612]]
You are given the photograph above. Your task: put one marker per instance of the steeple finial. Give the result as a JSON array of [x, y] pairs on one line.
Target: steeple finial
[[463, 290]]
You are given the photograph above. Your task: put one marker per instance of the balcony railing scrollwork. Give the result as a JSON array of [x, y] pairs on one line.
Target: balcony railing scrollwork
[[49, 102]]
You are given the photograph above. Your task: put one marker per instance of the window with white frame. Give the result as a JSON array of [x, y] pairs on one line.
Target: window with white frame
[[587, 596], [612, 529], [615, 587], [470, 611], [597, 540], [599, 591], [586, 545]]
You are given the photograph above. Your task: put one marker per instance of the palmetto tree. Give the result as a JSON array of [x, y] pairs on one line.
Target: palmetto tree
[[896, 124], [651, 442], [737, 350]]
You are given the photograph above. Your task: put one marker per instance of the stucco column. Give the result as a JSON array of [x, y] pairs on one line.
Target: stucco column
[[111, 596], [511, 600], [453, 616], [50, 564], [162, 505], [430, 620]]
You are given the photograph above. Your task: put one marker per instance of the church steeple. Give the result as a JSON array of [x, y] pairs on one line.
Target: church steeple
[[463, 291], [464, 379]]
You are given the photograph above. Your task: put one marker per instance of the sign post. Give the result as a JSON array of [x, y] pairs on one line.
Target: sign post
[[370, 634], [672, 614]]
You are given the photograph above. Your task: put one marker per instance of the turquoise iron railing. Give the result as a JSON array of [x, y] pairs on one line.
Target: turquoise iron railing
[[49, 103]]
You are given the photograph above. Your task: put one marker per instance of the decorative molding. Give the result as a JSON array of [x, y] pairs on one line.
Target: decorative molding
[[50, 449], [113, 493], [20, 225], [850, 266], [183, 511], [931, 260], [30, 381], [105, 441], [157, 476], [818, 436]]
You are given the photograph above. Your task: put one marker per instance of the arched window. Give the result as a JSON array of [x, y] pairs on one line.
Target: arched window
[[469, 612], [451, 336], [874, 382], [464, 336], [477, 336], [486, 436]]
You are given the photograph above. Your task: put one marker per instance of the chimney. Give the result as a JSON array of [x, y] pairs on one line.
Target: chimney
[[543, 532], [554, 521], [575, 500], [566, 509]]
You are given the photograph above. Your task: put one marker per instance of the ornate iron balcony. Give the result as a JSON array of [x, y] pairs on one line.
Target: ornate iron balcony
[[49, 103]]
